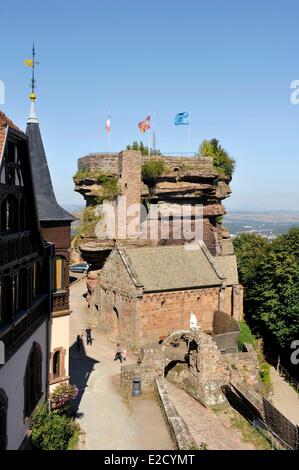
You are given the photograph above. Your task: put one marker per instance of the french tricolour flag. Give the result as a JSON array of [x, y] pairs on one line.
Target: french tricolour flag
[[108, 124]]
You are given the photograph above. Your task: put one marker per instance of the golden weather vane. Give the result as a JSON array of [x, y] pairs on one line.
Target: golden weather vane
[[32, 63]]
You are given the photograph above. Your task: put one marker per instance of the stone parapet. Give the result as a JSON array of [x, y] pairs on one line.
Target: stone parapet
[[177, 427]]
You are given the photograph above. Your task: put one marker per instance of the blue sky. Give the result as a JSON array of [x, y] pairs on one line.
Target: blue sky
[[229, 62]]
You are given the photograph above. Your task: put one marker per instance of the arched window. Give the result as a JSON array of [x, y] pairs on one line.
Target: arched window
[[3, 419], [56, 364], [33, 379], [58, 272], [23, 289], [6, 300], [9, 214]]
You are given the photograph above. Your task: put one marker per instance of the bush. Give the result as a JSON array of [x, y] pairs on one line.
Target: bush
[[52, 431], [245, 335], [82, 174], [63, 394], [265, 373], [151, 170], [221, 159]]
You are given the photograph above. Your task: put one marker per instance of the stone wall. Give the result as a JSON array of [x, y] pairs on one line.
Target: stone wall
[[177, 427], [244, 367], [104, 162], [162, 313]]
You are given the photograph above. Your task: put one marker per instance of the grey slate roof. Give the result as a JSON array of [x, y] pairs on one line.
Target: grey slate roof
[[228, 266], [171, 267], [174, 267], [48, 208]]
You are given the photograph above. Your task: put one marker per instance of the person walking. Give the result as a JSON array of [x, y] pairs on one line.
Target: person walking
[[88, 336], [118, 354]]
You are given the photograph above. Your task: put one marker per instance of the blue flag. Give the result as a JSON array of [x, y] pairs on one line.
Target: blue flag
[[182, 119]]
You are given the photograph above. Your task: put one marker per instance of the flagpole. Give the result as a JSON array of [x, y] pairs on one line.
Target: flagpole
[[149, 142], [189, 132], [109, 130]]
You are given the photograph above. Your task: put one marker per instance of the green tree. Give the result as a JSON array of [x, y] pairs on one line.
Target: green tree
[[224, 163], [270, 275]]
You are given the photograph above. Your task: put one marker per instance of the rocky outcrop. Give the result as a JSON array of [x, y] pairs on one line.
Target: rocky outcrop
[[190, 181]]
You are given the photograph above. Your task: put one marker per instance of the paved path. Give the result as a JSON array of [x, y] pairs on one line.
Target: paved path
[[109, 420], [284, 397], [204, 425]]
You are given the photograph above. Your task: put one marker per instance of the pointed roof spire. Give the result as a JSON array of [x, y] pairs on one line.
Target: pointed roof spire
[[48, 208], [32, 116]]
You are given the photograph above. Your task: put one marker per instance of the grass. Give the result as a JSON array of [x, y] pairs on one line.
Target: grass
[[245, 336], [249, 433]]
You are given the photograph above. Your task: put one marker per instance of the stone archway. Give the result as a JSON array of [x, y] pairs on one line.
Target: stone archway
[[193, 362]]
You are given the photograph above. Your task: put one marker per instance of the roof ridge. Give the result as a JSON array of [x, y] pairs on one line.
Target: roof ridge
[[6, 122], [126, 260]]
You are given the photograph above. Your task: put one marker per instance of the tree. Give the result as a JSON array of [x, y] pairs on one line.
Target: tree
[[224, 163], [270, 275]]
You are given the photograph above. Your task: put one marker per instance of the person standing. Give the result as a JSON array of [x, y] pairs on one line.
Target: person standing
[[118, 354], [124, 354], [88, 336]]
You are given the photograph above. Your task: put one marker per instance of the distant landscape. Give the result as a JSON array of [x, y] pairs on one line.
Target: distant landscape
[[267, 223]]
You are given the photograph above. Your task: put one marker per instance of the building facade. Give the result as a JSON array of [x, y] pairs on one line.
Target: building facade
[[55, 225], [144, 294], [25, 301]]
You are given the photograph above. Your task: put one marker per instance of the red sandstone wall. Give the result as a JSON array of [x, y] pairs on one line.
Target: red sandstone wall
[[160, 314]]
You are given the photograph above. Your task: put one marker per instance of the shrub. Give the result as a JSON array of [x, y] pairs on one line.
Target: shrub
[[52, 431], [245, 335], [222, 160], [151, 170], [82, 174], [63, 394]]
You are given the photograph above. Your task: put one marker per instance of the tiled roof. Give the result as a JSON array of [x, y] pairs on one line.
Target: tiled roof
[[171, 267], [228, 266], [4, 123]]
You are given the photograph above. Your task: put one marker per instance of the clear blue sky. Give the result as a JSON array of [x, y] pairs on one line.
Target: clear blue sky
[[229, 62]]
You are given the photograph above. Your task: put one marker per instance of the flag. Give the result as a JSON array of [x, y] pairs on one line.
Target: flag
[[181, 119], [108, 124], [145, 125], [28, 62]]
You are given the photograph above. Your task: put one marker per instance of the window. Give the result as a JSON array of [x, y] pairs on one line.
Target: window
[[58, 272], [33, 379], [23, 289], [3, 419], [56, 364], [6, 300], [36, 279], [9, 214], [23, 220]]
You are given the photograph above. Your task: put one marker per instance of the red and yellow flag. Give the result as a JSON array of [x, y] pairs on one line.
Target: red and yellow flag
[[145, 125]]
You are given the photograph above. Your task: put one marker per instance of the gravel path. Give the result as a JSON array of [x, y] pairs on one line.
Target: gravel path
[[204, 425], [108, 420]]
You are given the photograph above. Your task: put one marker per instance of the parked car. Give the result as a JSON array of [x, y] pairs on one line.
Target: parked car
[[79, 268]]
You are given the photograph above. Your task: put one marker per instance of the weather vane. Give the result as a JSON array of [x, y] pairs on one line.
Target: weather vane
[[32, 63]]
